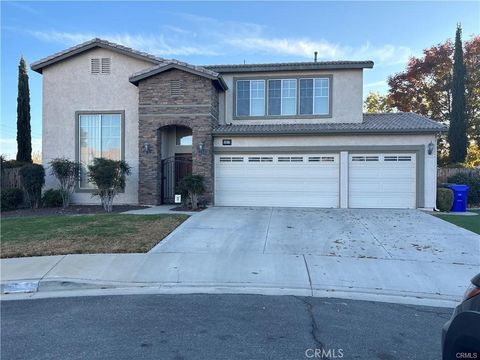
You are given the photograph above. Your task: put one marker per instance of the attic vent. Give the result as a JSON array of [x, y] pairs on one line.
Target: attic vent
[[100, 66], [175, 87], [105, 65], [95, 66]]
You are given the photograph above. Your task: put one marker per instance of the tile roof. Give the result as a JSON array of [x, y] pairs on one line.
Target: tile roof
[[372, 124], [292, 66], [168, 64], [96, 42]]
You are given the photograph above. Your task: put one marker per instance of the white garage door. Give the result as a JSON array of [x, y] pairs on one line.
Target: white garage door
[[297, 180], [382, 181]]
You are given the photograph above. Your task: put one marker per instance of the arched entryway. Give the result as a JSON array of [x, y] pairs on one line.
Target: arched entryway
[[175, 159]]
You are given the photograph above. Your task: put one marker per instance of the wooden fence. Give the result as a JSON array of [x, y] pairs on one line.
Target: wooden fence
[[11, 178], [444, 173]]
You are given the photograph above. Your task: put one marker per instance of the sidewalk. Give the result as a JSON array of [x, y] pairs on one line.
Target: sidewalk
[[399, 281]]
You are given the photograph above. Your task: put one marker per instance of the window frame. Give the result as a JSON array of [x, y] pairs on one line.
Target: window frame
[[297, 103], [78, 189], [250, 97], [281, 96]]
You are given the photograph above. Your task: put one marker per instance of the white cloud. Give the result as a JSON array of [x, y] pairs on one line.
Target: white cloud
[[378, 84], [209, 37], [154, 44], [295, 47]]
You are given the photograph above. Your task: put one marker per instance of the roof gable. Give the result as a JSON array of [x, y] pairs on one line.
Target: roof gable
[[39, 65], [173, 64]]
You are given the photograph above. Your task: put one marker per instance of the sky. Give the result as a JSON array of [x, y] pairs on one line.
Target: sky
[[222, 33]]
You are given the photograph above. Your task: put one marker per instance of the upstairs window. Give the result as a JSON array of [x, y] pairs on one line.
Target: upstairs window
[[315, 96], [100, 66], [282, 97], [250, 98]]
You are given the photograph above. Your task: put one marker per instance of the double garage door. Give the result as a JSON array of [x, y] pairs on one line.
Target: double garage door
[[313, 180]]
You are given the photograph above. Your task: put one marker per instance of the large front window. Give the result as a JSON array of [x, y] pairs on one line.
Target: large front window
[[100, 135]]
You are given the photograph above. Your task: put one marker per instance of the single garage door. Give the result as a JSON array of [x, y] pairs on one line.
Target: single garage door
[[382, 181], [296, 180]]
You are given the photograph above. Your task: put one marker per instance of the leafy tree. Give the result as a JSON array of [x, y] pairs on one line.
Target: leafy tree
[[109, 177], [457, 134], [33, 179], [193, 186], [24, 137], [377, 103], [425, 87], [473, 156], [66, 172]]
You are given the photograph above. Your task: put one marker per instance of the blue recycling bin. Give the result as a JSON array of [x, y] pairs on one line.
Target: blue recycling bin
[[459, 197]]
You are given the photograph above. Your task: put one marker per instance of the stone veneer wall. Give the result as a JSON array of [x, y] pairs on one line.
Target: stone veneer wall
[[196, 107]]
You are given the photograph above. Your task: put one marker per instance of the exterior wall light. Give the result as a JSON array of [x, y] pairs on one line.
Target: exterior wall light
[[430, 148], [201, 148], [146, 148]]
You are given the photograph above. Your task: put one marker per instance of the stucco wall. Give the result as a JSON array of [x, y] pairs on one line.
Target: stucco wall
[[347, 97], [345, 141], [68, 87]]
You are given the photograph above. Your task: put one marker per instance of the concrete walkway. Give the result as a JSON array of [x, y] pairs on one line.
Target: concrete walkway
[[411, 282]]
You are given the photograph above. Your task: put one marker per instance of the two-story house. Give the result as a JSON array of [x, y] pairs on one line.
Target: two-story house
[[280, 134]]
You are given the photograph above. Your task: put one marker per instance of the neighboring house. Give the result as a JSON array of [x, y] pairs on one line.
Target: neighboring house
[[287, 134]]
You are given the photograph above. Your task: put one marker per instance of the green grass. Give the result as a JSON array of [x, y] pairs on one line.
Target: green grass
[[78, 234], [471, 223]]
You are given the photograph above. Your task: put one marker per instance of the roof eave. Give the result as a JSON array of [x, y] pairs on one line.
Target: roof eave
[[135, 79], [38, 66], [330, 132]]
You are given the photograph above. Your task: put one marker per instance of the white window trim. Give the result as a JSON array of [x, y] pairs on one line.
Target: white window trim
[[314, 95], [251, 97], [282, 97]]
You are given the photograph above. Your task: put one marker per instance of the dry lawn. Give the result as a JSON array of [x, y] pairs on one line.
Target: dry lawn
[[84, 234]]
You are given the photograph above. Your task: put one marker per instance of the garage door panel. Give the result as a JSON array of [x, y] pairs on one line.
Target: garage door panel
[[299, 180], [389, 182]]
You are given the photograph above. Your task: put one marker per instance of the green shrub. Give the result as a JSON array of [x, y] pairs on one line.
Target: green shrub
[[193, 187], [52, 198], [444, 199], [66, 172], [473, 182], [9, 164], [33, 178], [109, 176], [11, 199]]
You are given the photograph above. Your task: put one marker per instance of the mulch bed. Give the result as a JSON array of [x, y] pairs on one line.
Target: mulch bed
[[71, 210], [180, 208]]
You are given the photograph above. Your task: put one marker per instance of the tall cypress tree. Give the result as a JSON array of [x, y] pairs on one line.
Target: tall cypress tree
[[457, 134], [24, 136]]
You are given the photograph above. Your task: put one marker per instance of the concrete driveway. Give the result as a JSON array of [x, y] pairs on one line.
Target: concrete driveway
[[353, 233]]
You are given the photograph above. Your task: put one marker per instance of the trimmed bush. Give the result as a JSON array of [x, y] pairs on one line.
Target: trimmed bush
[[109, 176], [66, 172], [11, 199], [444, 199], [473, 182], [52, 198], [192, 186], [33, 178]]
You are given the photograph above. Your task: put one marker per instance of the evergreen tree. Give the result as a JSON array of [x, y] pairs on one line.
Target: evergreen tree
[[457, 134], [24, 136]]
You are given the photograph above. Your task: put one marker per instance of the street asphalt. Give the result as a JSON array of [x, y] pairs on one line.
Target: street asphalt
[[218, 327]]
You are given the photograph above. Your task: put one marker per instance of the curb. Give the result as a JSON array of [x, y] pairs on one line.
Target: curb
[[37, 289]]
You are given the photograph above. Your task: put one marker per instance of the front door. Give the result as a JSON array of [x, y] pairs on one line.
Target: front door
[[174, 169]]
